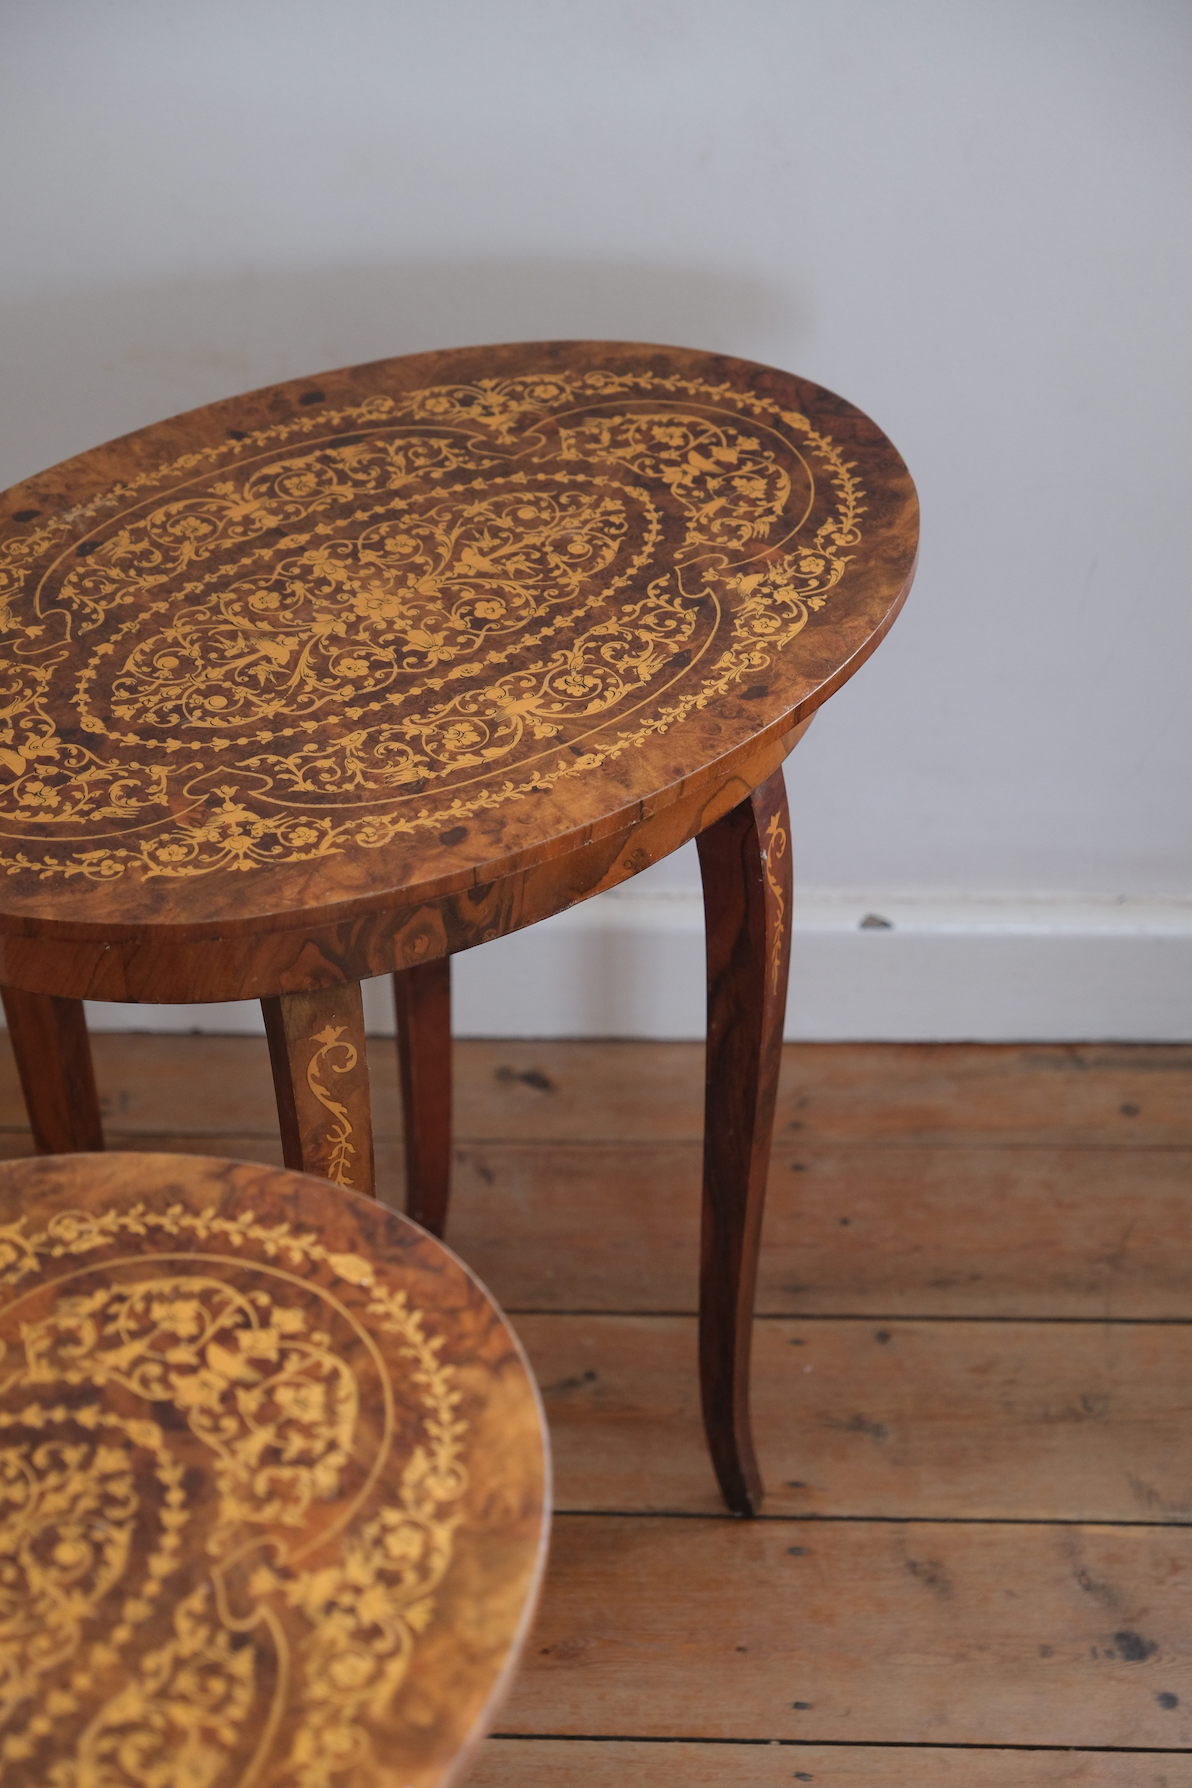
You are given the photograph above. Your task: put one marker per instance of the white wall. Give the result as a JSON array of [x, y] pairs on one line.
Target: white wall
[[971, 216]]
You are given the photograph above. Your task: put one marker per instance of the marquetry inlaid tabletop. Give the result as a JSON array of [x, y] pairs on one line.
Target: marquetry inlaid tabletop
[[272, 1484], [408, 625]]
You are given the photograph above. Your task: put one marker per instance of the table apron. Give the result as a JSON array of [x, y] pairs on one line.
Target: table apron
[[164, 971]]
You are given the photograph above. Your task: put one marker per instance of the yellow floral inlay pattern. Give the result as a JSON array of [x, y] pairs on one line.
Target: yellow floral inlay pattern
[[246, 1373], [383, 620], [339, 1137]]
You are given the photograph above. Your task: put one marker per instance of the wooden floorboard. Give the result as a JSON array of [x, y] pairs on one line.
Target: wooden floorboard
[[969, 1420], [971, 1385], [861, 1632], [549, 1763], [1109, 1096], [883, 1231], [1121, 1096]]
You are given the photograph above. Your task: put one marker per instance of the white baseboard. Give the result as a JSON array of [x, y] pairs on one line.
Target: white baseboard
[[1007, 969], [939, 970]]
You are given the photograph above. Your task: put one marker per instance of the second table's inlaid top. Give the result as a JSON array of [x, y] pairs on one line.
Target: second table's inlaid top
[[441, 605], [271, 1483]]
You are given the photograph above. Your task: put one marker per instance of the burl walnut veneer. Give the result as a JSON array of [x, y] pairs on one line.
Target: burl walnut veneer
[[273, 1483]]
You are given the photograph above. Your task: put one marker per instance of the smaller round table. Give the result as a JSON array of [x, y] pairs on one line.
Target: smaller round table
[[273, 1483]]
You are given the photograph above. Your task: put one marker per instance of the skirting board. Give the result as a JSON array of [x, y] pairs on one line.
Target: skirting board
[[1002, 969]]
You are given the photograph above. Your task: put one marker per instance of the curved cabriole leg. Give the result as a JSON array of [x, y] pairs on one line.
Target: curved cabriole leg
[[745, 865], [320, 1075], [422, 998], [53, 1057]]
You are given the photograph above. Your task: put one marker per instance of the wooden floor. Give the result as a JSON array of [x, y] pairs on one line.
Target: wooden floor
[[973, 1378]]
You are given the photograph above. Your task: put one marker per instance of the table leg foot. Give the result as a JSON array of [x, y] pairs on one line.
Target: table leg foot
[[53, 1057], [745, 865], [320, 1076], [422, 999]]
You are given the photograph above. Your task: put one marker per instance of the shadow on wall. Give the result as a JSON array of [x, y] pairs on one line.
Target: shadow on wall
[[91, 364]]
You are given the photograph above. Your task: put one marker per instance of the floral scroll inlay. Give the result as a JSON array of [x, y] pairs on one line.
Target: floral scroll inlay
[[775, 850], [339, 1136], [385, 619], [94, 1394]]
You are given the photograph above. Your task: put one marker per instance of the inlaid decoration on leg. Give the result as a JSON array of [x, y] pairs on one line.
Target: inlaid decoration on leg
[[320, 1075]]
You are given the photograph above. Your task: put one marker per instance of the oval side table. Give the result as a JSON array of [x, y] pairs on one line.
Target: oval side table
[[273, 1483], [349, 674]]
